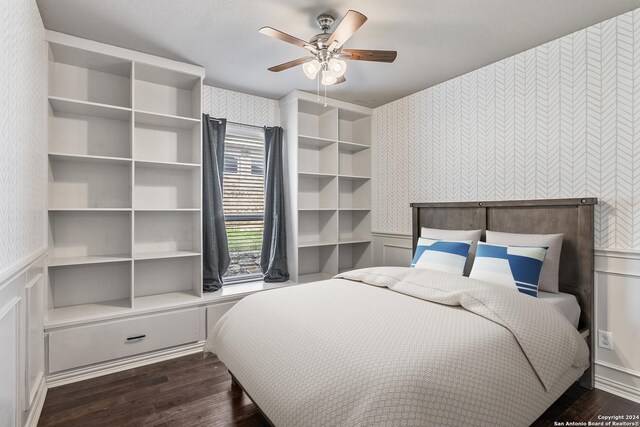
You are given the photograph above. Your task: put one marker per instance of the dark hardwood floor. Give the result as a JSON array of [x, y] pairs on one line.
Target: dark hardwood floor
[[196, 391]]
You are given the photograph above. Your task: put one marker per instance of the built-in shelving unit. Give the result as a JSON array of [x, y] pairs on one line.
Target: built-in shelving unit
[[124, 180], [328, 158]]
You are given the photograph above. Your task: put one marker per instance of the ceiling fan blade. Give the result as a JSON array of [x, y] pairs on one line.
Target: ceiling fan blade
[[370, 55], [341, 79], [290, 64], [347, 27], [277, 34]]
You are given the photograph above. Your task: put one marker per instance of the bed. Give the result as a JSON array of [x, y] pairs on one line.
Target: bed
[[400, 346]]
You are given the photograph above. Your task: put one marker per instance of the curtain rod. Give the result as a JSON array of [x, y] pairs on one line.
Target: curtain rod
[[237, 124]]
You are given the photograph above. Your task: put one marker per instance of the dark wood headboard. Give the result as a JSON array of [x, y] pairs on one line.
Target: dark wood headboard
[[572, 217]]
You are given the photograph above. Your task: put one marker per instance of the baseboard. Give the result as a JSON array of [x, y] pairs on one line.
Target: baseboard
[[617, 388], [93, 371], [38, 403]]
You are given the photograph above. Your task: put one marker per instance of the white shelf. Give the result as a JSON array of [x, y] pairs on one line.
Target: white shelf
[[353, 241], [84, 312], [166, 120], [316, 244], [353, 147], [90, 209], [354, 177], [317, 174], [166, 299], [168, 165], [314, 141], [167, 209], [85, 108], [82, 260], [313, 277], [89, 158], [166, 254]]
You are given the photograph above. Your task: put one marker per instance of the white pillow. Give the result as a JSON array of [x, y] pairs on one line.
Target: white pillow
[[456, 235], [551, 267]]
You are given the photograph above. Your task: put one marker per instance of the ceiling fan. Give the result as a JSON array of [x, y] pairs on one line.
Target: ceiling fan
[[327, 55]]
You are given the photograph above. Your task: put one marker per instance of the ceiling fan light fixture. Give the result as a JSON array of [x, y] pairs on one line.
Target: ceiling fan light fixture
[[311, 69], [328, 78], [337, 67]]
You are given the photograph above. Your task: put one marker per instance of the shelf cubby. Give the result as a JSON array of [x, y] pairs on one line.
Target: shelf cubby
[[160, 187], [317, 192], [89, 76], [77, 237], [317, 228], [354, 163], [354, 226], [167, 275], [354, 127], [85, 183], [166, 234], [320, 261], [317, 156], [354, 255], [166, 92], [105, 284], [162, 143], [315, 120], [102, 133], [354, 193]]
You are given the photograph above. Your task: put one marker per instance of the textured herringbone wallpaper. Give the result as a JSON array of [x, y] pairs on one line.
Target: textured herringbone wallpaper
[[22, 132], [559, 120], [240, 107]]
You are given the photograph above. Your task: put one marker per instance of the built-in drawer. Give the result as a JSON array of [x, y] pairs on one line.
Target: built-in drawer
[[215, 312], [85, 345]]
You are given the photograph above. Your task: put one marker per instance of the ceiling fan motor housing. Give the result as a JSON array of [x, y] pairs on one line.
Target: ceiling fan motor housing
[[325, 21]]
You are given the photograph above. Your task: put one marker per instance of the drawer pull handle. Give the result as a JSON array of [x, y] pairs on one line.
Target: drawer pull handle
[[136, 338]]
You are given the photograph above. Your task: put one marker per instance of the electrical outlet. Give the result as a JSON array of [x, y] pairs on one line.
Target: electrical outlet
[[605, 340]]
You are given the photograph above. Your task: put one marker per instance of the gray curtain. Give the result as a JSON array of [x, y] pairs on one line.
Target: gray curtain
[[273, 260], [215, 254]]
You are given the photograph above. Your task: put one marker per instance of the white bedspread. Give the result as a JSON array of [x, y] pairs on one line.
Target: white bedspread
[[399, 346]]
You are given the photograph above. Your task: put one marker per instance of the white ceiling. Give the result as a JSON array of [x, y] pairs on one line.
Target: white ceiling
[[436, 40]]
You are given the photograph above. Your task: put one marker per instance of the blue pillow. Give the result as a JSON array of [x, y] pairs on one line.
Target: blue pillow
[[517, 267], [441, 255]]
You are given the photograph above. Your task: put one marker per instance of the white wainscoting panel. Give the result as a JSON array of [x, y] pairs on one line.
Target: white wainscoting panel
[[9, 363], [22, 386], [618, 311], [391, 249]]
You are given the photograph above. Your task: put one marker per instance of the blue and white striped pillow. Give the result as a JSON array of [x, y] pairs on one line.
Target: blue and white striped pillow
[[516, 267], [441, 255]]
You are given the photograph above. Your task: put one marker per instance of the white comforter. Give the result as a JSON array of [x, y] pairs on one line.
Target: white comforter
[[399, 346]]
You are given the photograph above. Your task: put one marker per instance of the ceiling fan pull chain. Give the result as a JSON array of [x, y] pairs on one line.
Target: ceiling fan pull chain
[[325, 96]]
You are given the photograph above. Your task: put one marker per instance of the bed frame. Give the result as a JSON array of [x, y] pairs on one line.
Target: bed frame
[[572, 217]]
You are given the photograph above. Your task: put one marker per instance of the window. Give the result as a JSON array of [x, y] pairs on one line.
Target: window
[[243, 198], [230, 164]]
